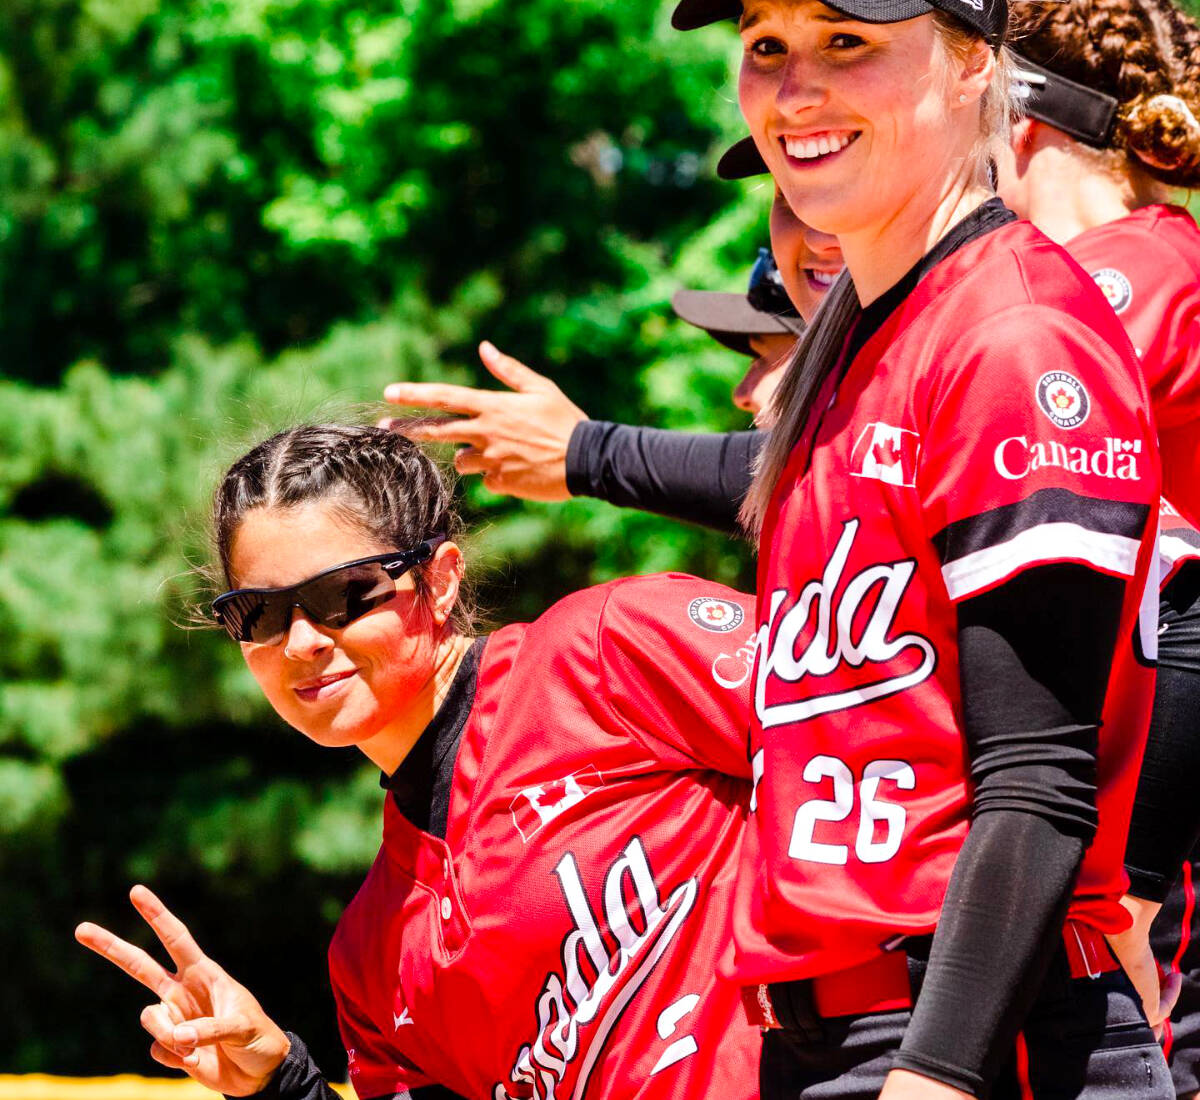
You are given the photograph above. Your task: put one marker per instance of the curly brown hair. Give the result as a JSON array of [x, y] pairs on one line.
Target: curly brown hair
[[1143, 53]]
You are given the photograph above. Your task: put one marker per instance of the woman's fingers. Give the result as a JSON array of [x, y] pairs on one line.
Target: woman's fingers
[[162, 1022], [512, 372], [436, 395], [430, 430], [133, 960], [237, 1030], [170, 930], [171, 1060], [1172, 986], [470, 460]]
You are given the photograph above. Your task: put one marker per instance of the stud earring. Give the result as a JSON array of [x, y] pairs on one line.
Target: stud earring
[[962, 98]]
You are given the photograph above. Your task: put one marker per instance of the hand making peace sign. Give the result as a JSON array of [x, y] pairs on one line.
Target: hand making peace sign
[[205, 1023]]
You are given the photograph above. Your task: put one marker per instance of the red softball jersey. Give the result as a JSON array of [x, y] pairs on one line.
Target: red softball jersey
[[563, 939], [1148, 265], [996, 421]]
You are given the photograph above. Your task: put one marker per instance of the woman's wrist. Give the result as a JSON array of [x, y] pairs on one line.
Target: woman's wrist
[[1142, 911]]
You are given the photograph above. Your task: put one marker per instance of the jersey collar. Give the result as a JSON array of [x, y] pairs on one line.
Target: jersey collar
[[420, 786], [982, 220]]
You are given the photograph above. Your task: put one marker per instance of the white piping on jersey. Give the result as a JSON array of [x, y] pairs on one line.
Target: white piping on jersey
[[1045, 544], [1087, 962], [1171, 549]]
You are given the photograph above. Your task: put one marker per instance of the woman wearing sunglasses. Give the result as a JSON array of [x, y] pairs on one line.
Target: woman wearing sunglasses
[[1112, 88], [936, 790], [566, 803]]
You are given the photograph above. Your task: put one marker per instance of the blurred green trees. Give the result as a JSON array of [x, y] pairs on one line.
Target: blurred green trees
[[218, 217]]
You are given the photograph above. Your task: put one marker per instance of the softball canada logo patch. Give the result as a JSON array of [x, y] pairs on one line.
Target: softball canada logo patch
[[1117, 289], [719, 616], [1063, 399]]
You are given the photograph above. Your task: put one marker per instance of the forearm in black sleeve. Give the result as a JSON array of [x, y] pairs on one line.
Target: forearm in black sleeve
[[1034, 661], [1166, 812], [300, 1078], [700, 478]]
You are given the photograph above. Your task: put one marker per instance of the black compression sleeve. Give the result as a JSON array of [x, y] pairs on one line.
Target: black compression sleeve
[[1166, 813], [700, 478], [1034, 660], [300, 1078]]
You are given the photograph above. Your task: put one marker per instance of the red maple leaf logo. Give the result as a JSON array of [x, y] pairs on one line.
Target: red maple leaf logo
[[553, 793], [888, 455], [1062, 399], [714, 612]]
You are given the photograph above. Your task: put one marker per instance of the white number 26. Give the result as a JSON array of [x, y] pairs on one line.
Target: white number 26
[[841, 805]]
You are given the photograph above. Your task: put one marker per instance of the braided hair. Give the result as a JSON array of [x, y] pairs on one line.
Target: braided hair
[[382, 483], [1143, 53]]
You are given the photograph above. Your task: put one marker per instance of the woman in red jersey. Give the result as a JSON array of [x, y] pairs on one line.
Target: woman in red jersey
[[956, 515], [1111, 90], [566, 803]]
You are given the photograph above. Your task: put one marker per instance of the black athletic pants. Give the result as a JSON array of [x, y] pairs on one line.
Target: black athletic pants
[[1084, 1039], [1175, 935]]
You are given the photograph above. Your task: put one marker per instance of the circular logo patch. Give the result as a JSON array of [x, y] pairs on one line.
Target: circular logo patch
[[1063, 399], [719, 616], [1116, 287]]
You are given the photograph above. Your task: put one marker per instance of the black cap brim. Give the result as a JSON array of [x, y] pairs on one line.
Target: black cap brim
[[730, 318], [690, 15], [741, 161], [988, 17]]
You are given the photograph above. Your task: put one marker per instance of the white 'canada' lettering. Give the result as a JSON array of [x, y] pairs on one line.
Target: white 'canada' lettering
[[1017, 458], [833, 643], [596, 983], [733, 670]]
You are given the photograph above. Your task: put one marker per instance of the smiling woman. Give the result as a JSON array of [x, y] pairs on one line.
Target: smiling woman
[[952, 687], [536, 916]]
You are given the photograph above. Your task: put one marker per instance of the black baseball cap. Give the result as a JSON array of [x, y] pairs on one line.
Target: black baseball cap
[[731, 319], [988, 17], [741, 161], [1081, 112]]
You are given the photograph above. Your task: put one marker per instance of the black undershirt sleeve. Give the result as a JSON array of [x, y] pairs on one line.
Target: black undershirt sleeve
[[1034, 661], [300, 1078], [1166, 813], [700, 478]]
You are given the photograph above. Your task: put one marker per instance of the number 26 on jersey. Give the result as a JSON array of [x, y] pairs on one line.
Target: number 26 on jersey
[[880, 823]]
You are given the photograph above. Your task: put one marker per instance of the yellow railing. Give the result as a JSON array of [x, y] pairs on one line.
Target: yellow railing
[[125, 1086]]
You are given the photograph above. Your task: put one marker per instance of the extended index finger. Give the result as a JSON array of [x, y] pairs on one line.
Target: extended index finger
[[170, 930], [133, 960], [438, 395]]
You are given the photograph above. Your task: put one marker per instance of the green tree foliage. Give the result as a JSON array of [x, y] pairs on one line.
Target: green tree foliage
[[218, 217]]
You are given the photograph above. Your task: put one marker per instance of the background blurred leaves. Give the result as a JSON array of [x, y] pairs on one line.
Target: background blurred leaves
[[218, 217]]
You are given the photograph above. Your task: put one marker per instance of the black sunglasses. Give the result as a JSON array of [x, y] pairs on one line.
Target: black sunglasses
[[334, 597], [766, 292]]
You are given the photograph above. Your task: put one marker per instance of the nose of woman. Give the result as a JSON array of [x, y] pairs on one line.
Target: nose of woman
[[304, 641]]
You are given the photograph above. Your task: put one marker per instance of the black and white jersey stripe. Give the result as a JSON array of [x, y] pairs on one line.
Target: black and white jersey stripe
[[1050, 525]]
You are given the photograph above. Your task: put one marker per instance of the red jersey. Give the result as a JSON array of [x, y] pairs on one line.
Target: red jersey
[[1148, 265], [996, 421], [563, 939], [1178, 543]]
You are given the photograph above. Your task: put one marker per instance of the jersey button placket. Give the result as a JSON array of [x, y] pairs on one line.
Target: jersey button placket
[[447, 909]]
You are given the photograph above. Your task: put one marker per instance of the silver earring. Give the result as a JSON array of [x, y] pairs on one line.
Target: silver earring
[[962, 98]]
